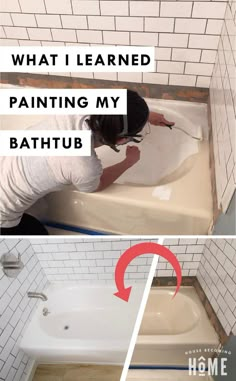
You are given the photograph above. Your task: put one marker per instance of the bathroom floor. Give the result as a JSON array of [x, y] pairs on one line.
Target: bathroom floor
[[164, 375], [73, 372]]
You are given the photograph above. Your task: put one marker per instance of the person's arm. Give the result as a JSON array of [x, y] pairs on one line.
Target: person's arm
[[111, 174], [159, 119]]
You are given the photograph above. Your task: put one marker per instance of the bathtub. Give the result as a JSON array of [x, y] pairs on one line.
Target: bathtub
[[171, 327], [85, 324], [179, 204]]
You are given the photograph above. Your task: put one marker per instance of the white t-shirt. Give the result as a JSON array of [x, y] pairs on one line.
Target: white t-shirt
[[24, 180]]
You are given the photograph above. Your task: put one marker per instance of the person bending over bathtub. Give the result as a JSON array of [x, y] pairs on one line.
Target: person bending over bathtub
[[24, 180]]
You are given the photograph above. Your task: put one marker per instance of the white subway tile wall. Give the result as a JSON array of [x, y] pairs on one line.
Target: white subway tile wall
[[88, 260], [16, 308], [168, 25], [217, 276], [223, 109], [214, 264], [188, 253]]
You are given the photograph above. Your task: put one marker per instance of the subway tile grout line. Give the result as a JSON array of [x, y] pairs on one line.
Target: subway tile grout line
[[109, 16], [37, 21], [117, 31], [200, 58], [100, 11], [71, 7], [206, 27], [51, 33], [45, 7], [191, 15], [19, 5]]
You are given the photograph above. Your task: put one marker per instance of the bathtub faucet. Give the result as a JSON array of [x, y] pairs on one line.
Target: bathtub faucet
[[39, 295]]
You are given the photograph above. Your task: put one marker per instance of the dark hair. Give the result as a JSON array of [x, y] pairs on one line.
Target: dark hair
[[109, 128]]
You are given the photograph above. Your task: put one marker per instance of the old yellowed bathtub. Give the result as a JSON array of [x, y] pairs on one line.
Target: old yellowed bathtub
[[180, 203], [173, 327]]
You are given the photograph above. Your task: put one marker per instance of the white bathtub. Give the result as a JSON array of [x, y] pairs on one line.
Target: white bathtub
[[171, 327], [86, 324], [179, 204]]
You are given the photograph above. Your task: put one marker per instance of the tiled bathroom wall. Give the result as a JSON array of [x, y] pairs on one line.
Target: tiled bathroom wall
[[189, 253], [185, 33], [217, 276], [16, 309], [223, 109], [213, 262], [88, 260]]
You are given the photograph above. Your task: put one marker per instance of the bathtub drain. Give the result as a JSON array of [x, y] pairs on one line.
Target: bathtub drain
[[66, 327]]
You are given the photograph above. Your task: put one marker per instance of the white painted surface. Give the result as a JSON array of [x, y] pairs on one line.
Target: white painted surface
[[100, 325], [163, 151]]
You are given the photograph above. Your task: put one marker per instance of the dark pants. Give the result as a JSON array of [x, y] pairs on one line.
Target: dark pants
[[27, 226]]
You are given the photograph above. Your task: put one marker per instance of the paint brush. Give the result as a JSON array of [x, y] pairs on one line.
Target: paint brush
[[198, 136]]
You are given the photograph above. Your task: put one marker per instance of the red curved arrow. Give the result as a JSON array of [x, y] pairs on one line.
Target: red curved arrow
[[135, 251]]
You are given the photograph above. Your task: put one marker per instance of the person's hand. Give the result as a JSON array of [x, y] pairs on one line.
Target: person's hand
[[159, 120], [132, 155]]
